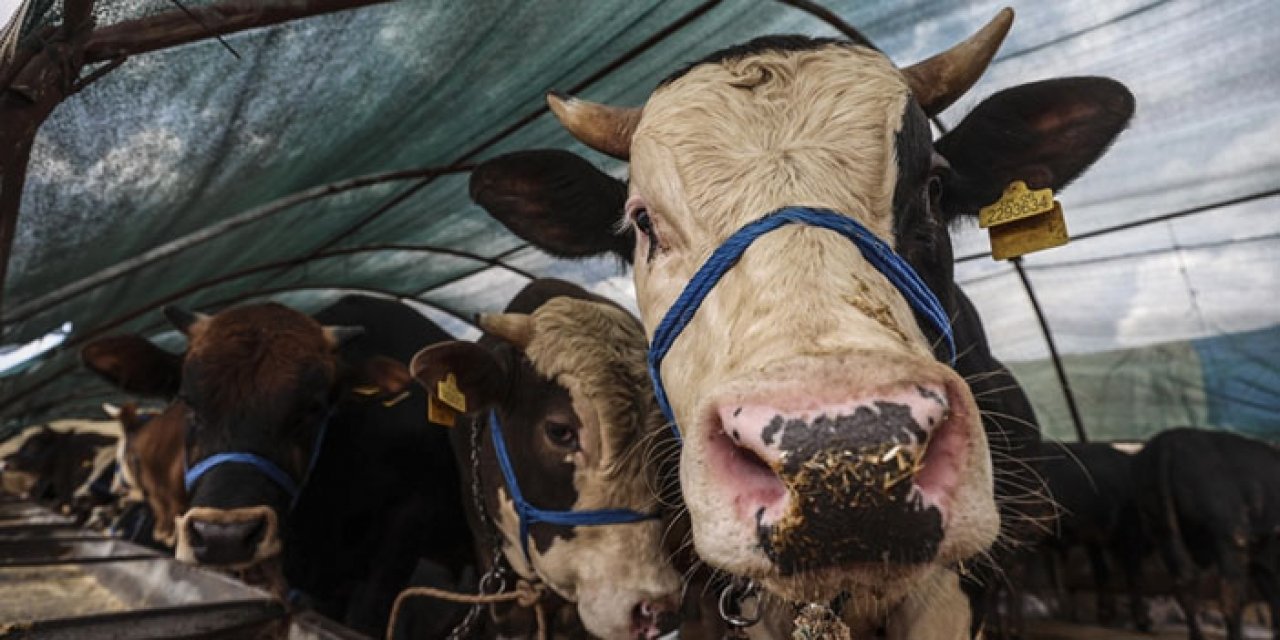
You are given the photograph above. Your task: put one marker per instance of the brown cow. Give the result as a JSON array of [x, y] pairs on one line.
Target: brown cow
[[150, 462], [828, 445]]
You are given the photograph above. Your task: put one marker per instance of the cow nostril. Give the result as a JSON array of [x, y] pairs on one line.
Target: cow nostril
[[194, 536], [256, 532], [651, 620]]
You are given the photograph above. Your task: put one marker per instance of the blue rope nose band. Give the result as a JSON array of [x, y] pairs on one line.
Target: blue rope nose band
[[873, 249], [264, 466], [530, 514]]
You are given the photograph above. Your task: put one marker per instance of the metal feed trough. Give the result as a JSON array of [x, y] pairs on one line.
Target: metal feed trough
[[59, 581]]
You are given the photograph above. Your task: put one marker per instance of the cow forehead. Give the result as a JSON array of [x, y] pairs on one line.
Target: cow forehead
[[258, 349], [729, 141], [598, 351]]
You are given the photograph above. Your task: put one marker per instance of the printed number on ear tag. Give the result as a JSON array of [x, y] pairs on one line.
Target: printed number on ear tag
[[450, 394], [1023, 221]]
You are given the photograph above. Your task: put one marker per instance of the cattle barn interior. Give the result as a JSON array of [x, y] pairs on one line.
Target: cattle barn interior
[[212, 153]]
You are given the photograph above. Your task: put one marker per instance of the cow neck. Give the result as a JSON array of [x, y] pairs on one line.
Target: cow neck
[[529, 514], [874, 250], [192, 474]]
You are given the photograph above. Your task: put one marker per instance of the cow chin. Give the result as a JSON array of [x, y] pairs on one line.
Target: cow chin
[[863, 486]]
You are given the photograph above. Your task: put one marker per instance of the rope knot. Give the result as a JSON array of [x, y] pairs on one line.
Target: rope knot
[[529, 593]]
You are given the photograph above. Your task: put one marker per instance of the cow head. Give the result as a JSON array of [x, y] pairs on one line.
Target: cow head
[[825, 445], [576, 409], [259, 380]]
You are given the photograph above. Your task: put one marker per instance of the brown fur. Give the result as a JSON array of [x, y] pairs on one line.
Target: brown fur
[[151, 458], [253, 353]]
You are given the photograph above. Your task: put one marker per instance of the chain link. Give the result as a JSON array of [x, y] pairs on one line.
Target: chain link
[[733, 597], [495, 579]]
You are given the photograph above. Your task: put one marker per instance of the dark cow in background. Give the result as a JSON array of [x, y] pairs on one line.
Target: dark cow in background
[[323, 404], [50, 465], [563, 372], [806, 377], [1211, 501], [1093, 486]]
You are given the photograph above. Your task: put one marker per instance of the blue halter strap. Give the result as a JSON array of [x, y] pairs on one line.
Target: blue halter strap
[[530, 514], [874, 250], [264, 466]]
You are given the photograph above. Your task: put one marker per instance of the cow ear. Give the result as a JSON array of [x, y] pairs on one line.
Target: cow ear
[[1043, 133], [391, 377], [133, 364], [556, 201], [127, 414], [460, 373]]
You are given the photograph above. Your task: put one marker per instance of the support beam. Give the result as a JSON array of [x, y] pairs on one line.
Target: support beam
[[1053, 351], [174, 28]]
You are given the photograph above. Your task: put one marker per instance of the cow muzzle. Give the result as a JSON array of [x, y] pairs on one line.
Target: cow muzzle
[[835, 484], [235, 538]]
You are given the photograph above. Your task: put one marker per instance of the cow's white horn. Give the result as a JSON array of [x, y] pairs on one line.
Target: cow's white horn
[[599, 126], [942, 79]]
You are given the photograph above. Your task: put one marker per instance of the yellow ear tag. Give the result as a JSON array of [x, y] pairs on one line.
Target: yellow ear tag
[[1023, 221], [450, 394], [366, 390], [440, 413]]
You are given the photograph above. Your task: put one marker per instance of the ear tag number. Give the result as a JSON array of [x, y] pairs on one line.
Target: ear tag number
[[450, 394], [440, 413], [1023, 221]]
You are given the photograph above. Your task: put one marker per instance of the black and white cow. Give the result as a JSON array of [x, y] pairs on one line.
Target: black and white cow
[[830, 444], [557, 384]]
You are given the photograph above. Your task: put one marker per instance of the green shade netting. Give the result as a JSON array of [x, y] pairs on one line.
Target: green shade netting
[[173, 144]]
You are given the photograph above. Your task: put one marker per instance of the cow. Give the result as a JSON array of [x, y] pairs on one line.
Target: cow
[[787, 220], [1211, 500], [306, 463], [558, 380], [1092, 485], [150, 460], [51, 464]]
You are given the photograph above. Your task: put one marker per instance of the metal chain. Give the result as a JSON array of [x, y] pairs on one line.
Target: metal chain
[[494, 580]]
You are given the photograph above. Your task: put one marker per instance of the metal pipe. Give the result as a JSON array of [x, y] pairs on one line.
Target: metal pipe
[[1053, 351]]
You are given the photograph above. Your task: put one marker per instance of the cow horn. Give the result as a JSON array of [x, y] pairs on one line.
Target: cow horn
[[338, 335], [942, 79], [599, 126], [111, 409], [516, 328], [183, 320]]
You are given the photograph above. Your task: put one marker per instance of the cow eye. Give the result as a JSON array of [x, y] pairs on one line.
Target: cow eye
[[561, 435], [644, 224]]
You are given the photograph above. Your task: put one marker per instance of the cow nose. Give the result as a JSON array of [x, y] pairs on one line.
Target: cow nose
[[840, 475], [653, 619], [224, 543]]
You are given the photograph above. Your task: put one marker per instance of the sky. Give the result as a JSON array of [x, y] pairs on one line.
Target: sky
[[7, 7]]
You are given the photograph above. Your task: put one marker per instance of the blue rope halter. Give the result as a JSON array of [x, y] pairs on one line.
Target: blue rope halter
[[874, 250], [530, 514], [264, 466]]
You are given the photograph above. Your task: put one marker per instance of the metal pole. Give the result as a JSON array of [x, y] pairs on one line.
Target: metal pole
[[1053, 351]]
